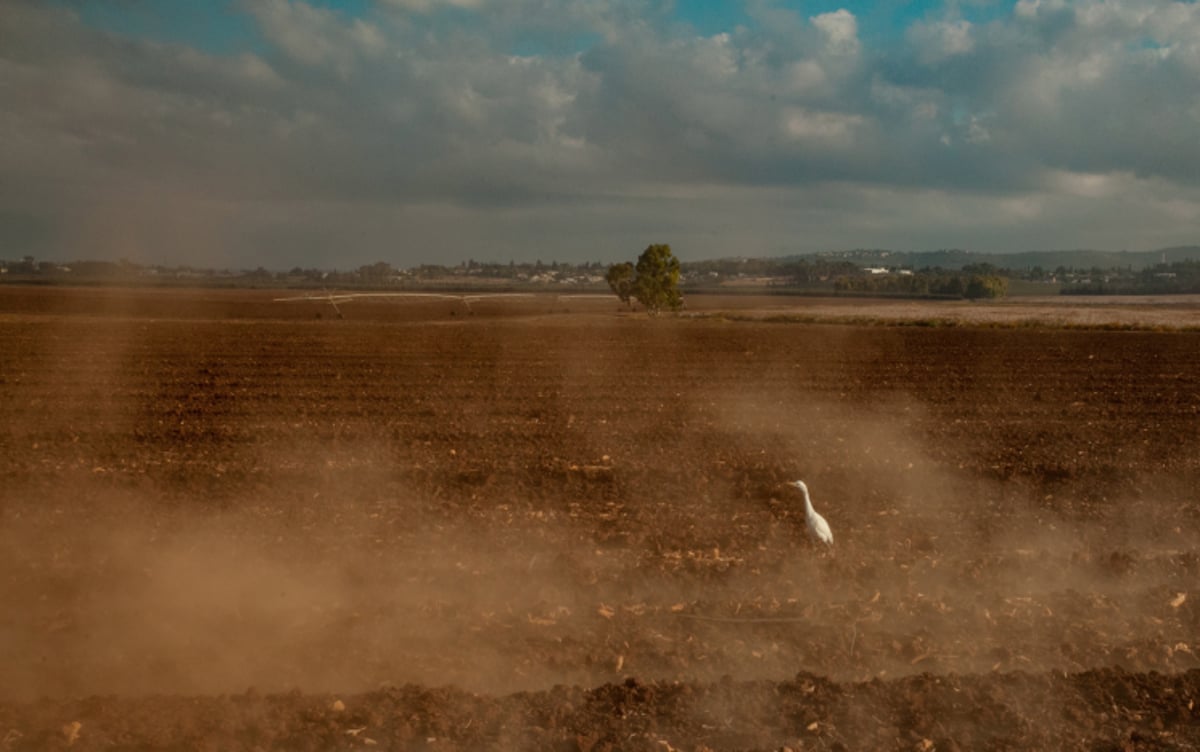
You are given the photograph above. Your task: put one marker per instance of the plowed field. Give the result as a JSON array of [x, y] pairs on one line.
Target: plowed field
[[544, 523]]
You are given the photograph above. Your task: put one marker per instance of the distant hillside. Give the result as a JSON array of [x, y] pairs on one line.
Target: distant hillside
[[1048, 260]]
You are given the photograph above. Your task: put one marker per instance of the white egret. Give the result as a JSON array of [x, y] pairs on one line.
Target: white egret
[[817, 526]]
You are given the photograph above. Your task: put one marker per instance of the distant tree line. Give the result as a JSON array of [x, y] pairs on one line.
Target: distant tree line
[[787, 271], [829, 274], [927, 283], [1179, 278], [377, 275]]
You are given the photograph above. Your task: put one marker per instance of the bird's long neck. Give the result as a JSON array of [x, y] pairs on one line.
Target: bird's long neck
[[808, 507]]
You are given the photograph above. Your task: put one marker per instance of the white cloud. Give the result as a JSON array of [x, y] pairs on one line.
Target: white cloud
[[246, 68], [1112, 15], [977, 132], [821, 128], [920, 103], [368, 38], [426, 6], [840, 29], [400, 114], [255, 69], [1048, 79], [1174, 22], [941, 40], [804, 77], [716, 58], [315, 36], [1031, 9], [1088, 184]]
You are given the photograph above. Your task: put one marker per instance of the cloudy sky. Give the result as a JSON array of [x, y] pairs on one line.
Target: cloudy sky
[[319, 133]]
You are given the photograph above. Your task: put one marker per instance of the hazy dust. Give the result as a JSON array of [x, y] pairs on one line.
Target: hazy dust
[[510, 506]]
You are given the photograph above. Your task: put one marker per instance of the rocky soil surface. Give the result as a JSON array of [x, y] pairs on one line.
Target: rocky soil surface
[[547, 523]]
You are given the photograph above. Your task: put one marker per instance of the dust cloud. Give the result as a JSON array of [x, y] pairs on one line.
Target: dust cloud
[[939, 568], [494, 508], [142, 601]]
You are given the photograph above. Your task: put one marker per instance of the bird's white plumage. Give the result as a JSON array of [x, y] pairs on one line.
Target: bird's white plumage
[[817, 526]]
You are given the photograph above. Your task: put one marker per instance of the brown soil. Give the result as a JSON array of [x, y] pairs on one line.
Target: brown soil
[[226, 523]]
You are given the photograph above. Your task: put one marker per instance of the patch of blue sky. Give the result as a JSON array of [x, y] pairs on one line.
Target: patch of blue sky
[[885, 19], [877, 19], [215, 27], [1146, 43], [219, 27], [351, 8], [224, 26]]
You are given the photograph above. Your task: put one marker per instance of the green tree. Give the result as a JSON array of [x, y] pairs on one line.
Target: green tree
[[985, 286], [656, 284], [620, 280], [380, 270], [950, 285]]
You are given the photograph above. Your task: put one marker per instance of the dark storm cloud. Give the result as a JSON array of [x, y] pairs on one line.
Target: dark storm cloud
[[445, 129]]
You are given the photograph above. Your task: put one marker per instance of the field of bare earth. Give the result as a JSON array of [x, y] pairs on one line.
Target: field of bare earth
[[546, 522]]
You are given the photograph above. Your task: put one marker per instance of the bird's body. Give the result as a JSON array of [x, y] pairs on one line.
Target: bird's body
[[817, 526]]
